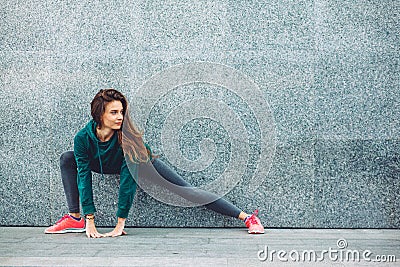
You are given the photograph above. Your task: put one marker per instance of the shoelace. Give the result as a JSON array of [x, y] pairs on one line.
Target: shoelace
[[62, 219], [252, 219]]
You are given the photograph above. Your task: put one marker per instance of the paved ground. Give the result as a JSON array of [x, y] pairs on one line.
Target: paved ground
[[28, 246]]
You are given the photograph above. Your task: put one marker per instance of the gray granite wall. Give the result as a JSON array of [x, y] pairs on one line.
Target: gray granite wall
[[295, 103]]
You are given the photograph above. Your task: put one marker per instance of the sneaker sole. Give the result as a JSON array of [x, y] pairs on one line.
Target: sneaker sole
[[256, 232], [70, 230]]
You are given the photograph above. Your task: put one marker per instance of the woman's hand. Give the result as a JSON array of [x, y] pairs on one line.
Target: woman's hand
[[91, 230], [119, 228]]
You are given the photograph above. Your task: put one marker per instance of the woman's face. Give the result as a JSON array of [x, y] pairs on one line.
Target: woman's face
[[113, 115]]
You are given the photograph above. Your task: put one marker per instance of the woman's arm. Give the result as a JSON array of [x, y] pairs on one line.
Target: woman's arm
[[85, 185], [84, 174], [127, 189]]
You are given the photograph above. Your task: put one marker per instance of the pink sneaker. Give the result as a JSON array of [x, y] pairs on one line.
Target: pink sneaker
[[66, 225], [254, 224]]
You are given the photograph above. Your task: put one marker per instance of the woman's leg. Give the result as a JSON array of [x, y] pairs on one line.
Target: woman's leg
[[69, 179], [72, 222], [192, 194]]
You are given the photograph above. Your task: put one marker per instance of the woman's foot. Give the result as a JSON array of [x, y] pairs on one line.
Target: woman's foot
[[254, 224], [67, 224]]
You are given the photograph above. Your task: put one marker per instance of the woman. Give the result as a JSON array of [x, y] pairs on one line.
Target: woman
[[101, 146]]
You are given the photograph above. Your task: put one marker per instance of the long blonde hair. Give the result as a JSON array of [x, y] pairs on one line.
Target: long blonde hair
[[130, 137]]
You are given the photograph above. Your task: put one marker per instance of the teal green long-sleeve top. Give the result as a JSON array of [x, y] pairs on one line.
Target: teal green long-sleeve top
[[104, 157]]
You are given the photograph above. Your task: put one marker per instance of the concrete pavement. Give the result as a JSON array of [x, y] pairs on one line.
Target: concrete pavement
[[28, 246]]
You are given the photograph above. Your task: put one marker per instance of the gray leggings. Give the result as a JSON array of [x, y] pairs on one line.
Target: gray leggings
[[159, 173]]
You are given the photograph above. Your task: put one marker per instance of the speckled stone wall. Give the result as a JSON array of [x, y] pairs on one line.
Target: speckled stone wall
[[312, 85]]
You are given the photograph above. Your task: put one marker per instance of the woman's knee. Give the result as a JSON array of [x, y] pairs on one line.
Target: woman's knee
[[67, 158], [197, 195]]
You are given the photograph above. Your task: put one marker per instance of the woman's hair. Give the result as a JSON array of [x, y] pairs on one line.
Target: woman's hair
[[130, 138]]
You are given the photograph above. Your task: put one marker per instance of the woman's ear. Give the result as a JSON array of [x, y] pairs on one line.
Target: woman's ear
[[100, 122]]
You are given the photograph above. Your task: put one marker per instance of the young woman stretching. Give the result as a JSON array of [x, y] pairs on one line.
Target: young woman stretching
[[101, 146]]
